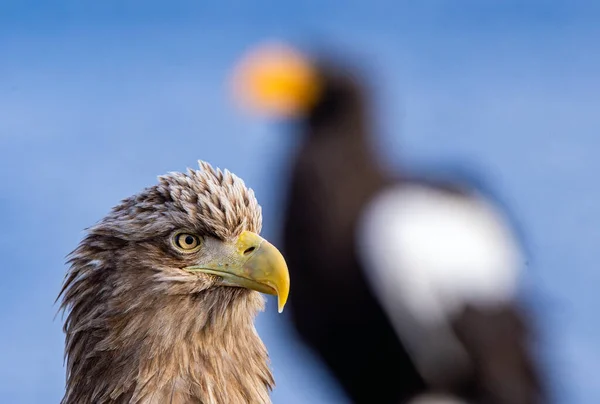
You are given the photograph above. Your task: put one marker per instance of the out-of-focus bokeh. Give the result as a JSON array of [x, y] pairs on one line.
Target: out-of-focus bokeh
[[97, 98]]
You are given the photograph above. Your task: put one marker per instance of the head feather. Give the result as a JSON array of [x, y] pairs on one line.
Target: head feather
[[138, 328], [214, 202]]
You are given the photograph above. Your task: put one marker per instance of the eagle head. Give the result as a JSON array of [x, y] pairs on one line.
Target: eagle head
[[278, 80], [163, 291]]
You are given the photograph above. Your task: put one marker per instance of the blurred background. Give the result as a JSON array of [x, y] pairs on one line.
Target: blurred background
[[97, 98]]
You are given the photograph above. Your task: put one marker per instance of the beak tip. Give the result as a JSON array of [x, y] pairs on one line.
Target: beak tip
[[281, 301]]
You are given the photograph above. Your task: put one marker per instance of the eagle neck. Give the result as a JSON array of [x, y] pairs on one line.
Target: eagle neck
[[178, 348], [212, 356]]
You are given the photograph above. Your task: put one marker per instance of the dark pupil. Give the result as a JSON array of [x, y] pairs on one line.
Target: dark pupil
[[189, 240]]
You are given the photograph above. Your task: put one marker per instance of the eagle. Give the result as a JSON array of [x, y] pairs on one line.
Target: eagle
[[404, 284], [162, 295]]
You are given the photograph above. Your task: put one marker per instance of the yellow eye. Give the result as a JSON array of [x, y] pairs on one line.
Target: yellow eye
[[186, 242]]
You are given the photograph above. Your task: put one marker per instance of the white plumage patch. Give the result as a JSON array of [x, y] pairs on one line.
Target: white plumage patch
[[432, 252], [428, 253]]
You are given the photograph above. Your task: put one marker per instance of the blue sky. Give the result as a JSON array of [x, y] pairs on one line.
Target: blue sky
[[98, 98]]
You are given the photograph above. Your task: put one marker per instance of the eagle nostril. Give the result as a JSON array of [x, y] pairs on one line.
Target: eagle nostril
[[249, 250]]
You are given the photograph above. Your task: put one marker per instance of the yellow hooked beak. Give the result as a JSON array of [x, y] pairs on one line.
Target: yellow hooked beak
[[250, 262], [277, 80]]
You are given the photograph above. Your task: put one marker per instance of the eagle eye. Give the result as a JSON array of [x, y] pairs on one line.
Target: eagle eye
[[186, 242]]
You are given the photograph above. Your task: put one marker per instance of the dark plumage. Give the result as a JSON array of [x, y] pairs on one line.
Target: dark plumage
[[162, 295], [378, 294]]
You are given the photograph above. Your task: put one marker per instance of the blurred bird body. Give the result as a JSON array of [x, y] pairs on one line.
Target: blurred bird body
[[402, 285], [163, 292]]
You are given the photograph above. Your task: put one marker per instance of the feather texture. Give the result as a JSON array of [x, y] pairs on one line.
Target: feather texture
[[141, 330]]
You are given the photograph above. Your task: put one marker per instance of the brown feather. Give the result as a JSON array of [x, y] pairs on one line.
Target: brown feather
[[141, 330]]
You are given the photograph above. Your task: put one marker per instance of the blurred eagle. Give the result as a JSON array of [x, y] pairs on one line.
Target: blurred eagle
[[404, 285], [162, 295]]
